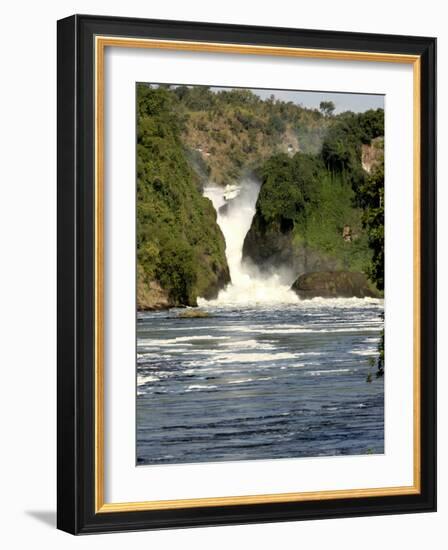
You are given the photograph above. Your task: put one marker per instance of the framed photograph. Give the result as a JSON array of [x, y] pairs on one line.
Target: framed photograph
[[246, 274]]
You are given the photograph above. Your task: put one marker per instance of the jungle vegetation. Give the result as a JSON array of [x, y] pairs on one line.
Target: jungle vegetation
[[309, 161]]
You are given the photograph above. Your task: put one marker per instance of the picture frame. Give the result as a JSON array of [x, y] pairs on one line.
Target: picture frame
[[82, 42]]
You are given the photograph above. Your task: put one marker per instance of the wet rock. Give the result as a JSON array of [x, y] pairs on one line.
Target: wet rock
[[152, 297], [334, 284], [193, 314]]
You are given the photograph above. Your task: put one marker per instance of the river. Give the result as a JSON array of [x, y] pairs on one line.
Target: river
[[266, 375]]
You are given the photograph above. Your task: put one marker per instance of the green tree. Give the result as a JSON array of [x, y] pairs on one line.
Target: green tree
[[327, 107], [371, 197], [289, 184]]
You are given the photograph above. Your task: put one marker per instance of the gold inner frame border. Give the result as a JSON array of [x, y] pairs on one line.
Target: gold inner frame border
[[100, 44]]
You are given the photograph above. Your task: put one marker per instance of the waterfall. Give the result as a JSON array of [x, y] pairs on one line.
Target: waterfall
[[235, 207]]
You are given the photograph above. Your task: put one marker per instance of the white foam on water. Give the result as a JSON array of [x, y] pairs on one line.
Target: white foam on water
[[235, 207], [295, 366], [194, 327], [143, 379], [365, 352], [247, 344], [149, 355], [261, 329], [253, 357], [327, 371], [342, 303], [200, 370], [198, 387], [178, 341], [242, 381]]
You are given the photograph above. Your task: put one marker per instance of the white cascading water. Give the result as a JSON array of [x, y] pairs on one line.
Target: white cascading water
[[235, 207]]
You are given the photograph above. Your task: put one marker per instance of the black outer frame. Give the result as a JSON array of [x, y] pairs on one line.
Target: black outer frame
[[75, 403]]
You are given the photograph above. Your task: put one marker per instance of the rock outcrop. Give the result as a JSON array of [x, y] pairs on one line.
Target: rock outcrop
[[152, 297], [334, 284], [372, 155], [193, 314]]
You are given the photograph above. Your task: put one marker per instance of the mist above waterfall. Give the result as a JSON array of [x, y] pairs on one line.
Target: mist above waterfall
[[235, 207]]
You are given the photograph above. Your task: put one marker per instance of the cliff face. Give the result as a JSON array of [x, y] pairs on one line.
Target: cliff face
[[150, 295], [180, 247], [372, 154], [272, 247]]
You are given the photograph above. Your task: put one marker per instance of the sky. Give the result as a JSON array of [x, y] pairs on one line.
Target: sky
[[357, 103]]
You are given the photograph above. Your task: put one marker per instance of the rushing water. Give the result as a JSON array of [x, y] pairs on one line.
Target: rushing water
[[265, 375], [235, 207]]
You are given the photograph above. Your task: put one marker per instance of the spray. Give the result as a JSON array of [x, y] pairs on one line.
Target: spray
[[235, 207]]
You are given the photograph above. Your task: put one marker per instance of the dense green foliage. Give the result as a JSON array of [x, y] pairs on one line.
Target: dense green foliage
[[290, 185], [179, 244], [341, 153], [341, 150], [313, 199], [307, 207], [314, 186], [371, 197], [187, 136]]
